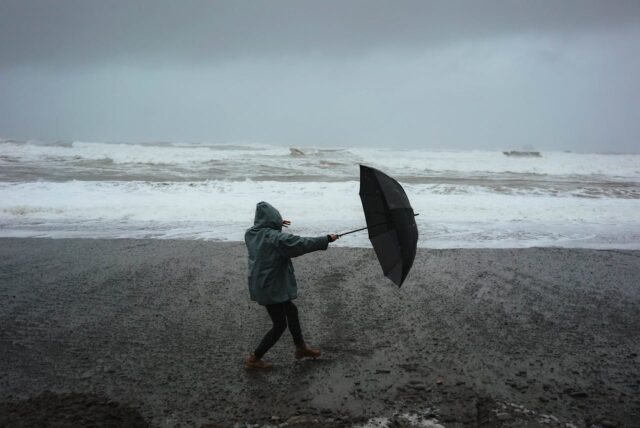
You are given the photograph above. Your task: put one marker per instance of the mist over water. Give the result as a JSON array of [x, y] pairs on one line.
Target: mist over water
[[209, 191]]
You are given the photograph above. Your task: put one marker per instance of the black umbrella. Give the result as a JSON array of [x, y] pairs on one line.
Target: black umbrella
[[390, 221]]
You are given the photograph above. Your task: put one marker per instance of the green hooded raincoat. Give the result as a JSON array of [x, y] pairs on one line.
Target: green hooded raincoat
[[271, 274]]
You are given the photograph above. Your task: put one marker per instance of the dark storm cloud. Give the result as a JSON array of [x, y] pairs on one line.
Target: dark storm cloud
[[555, 74], [67, 32]]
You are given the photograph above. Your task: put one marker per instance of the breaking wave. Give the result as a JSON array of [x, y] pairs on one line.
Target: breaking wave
[[208, 191]]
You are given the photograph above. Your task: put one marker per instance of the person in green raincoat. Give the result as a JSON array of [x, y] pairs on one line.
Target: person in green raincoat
[[272, 282]]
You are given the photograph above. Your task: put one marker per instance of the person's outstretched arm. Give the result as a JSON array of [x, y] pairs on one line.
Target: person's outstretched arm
[[293, 246]]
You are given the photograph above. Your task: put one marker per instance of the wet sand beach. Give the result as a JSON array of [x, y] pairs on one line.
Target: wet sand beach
[[155, 331]]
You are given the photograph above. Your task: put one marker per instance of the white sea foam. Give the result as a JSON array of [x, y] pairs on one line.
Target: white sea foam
[[209, 191], [410, 162], [222, 210], [135, 153], [405, 419], [257, 157]]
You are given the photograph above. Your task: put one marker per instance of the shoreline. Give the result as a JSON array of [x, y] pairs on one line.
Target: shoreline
[[594, 247], [546, 336]]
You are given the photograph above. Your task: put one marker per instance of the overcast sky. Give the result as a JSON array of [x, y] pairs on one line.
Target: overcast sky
[[556, 74]]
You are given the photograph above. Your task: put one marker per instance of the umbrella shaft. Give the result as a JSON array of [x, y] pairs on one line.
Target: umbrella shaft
[[368, 227]]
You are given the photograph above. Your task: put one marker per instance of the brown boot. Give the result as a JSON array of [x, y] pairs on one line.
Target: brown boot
[[304, 350], [254, 363]]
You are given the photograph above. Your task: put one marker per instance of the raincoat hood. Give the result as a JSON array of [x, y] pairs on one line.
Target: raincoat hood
[[267, 216]]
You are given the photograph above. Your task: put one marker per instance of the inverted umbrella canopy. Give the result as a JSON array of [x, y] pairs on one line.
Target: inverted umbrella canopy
[[390, 222]]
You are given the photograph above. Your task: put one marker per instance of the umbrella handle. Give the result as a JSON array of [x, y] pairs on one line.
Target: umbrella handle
[[368, 227]]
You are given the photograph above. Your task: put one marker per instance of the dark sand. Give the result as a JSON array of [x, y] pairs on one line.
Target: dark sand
[[126, 328]]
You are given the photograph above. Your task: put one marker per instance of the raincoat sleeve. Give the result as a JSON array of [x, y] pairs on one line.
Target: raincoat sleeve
[[293, 246]]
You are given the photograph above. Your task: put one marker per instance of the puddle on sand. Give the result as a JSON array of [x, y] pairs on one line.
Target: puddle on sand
[[362, 386]]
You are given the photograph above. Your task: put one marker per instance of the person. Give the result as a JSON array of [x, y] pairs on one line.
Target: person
[[272, 282]]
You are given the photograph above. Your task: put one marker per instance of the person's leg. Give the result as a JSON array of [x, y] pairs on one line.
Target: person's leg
[[279, 318], [294, 322], [302, 349]]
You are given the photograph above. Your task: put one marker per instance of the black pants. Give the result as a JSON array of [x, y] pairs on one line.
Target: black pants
[[281, 314]]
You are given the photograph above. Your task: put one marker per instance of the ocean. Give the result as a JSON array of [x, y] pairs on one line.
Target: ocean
[[169, 190]]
